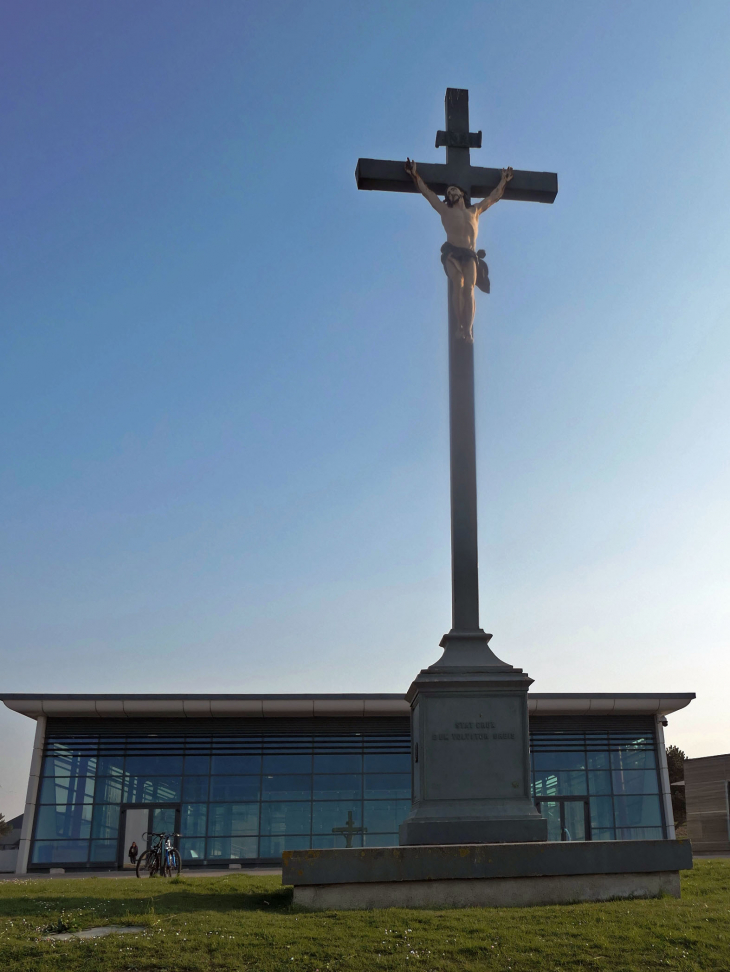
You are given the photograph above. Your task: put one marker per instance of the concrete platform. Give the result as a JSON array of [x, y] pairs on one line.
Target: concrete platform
[[485, 875]]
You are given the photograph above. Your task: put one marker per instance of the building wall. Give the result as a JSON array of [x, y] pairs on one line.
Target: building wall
[[247, 789], [708, 813]]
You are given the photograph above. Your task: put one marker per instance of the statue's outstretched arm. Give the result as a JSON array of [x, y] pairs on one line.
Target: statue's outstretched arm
[[496, 194], [423, 188]]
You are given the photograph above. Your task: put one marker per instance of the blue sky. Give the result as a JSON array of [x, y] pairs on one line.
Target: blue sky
[[223, 369]]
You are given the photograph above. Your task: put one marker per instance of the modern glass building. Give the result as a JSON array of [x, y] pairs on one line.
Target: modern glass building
[[243, 778]]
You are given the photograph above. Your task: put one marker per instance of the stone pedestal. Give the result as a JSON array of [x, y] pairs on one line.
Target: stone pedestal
[[470, 750]]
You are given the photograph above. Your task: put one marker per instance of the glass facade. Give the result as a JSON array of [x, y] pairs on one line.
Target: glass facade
[[245, 789]]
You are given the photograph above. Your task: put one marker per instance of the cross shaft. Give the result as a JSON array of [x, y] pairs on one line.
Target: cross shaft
[[389, 176]]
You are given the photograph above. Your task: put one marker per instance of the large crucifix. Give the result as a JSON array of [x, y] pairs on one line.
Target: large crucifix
[[458, 180]]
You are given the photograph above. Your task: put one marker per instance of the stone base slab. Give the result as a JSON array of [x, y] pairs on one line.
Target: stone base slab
[[486, 892], [471, 875]]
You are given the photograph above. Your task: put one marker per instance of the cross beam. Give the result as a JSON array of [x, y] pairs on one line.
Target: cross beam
[[474, 181]]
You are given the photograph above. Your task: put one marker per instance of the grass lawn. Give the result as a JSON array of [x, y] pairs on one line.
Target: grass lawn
[[247, 923]]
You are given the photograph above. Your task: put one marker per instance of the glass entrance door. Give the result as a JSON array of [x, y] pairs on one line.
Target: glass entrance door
[[568, 818], [138, 822]]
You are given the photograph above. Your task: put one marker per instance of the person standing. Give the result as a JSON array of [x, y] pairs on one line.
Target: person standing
[[133, 852]]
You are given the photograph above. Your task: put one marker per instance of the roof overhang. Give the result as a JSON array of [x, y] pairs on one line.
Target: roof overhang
[[277, 706]]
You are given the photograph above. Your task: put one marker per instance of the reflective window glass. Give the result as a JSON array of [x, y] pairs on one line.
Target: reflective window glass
[[60, 851], [639, 833], [232, 848], [603, 833], [236, 765], [294, 763], [598, 761], [105, 822], [110, 766], [380, 840], [637, 811], [633, 760], [67, 789], [384, 816], [192, 848], [328, 818], [286, 787], [338, 787], [233, 819], [108, 789], [599, 781], [197, 765], [154, 765], [69, 765], [193, 819], [387, 786], [635, 781], [285, 818], [103, 850], [388, 763], [238, 788], [63, 821], [601, 812], [560, 761], [563, 782], [337, 763], [163, 820], [156, 789], [195, 788], [275, 846], [323, 841]]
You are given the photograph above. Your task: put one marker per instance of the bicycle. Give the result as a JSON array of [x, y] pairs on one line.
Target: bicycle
[[162, 858]]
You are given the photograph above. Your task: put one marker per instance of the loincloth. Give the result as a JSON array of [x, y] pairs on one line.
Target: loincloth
[[462, 255]]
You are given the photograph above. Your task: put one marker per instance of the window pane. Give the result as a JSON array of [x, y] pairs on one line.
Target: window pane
[[154, 765], [633, 759], [236, 765], [603, 833], [195, 765], [105, 823], [560, 761], [231, 848], [238, 788], [192, 819], [225, 819], [69, 765], [637, 811], [192, 848], [384, 816], [60, 851], [565, 782], [110, 766], [381, 840], [598, 761], [67, 789], [388, 786], [639, 833], [344, 813], [601, 812], [599, 781], [387, 763], [156, 789], [274, 846], [285, 818], [324, 841], [103, 850], [108, 790], [635, 781], [338, 763], [286, 787], [338, 787], [294, 763], [74, 821], [195, 788]]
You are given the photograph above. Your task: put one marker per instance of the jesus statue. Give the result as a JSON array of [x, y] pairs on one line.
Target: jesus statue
[[464, 266]]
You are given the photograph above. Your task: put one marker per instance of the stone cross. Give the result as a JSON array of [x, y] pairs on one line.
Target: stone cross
[[349, 829], [466, 634]]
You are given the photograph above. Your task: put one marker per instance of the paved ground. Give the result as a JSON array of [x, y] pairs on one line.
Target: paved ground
[[192, 872]]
